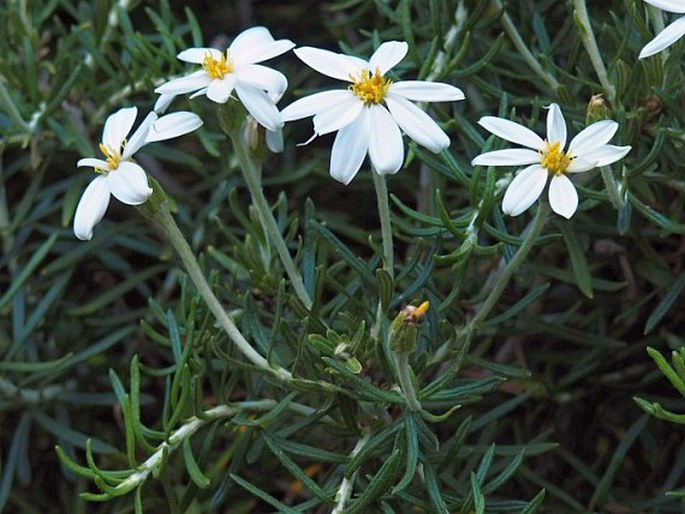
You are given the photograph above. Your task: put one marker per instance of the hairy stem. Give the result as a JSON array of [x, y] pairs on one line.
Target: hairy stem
[[252, 178]]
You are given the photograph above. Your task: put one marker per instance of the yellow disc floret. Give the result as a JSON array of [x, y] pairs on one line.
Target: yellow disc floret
[[370, 88], [113, 157], [217, 68], [553, 159]]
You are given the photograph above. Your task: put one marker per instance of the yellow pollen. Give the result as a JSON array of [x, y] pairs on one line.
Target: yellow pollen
[[370, 88], [217, 69], [113, 157], [553, 159]]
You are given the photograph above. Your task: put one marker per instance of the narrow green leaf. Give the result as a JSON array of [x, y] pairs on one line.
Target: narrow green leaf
[[664, 306], [667, 370], [577, 258], [194, 470], [617, 459], [536, 502], [294, 469], [252, 489], [28, 269]]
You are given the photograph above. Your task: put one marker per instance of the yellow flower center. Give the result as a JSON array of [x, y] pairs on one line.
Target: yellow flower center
[[370, 88], [217, 69], [553, 159], [113, 157]]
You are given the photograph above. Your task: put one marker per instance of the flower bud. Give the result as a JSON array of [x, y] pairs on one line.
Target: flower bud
[[597, 109], [403, 329]]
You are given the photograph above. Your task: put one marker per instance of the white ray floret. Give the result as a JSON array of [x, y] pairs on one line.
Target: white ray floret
[[118, 174], [671, 33], [371, 114], [237, 69], [547, 158]]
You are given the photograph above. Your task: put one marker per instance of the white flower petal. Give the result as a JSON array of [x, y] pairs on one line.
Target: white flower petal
[[260, 106], [92, 162], [274, 140], [386, 149], [606, 154], [524, 190], [219, 90], [677, 6], [336, 117], [665, 38], [563, 198], [198, 55], [128, 183], [173, 125], [199, 92], [387, 56], [331, 64], [421, 91], [556, 126], [256, 44], [196, 80], [263, 78], [117, 127], [594, 136], [138, 138], [512, 132], [349, 149], [163, 103], [91, 207], [314, 104], [417, 124], [507, 157], [581, 164]]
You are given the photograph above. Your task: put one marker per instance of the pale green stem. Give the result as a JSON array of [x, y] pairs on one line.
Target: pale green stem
[[252, 178], [195, 273], [514, 264], [612, 188], [406, 384], [346, 486], [590, 43], [386, 226], [520, 45], [190, 427], [386, 241]]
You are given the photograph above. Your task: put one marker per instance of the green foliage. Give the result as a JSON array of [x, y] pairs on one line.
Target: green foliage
[[119, 389]]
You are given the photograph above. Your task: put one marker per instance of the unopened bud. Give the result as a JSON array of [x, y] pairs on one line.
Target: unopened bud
[[597, 109], [403, 329]]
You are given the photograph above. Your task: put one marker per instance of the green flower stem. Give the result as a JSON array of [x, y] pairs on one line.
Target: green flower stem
[[514, 264], [386, 241], [406, 384], [192, 267], [386, 227], [252, 177], [520, 45], [346, 486], [612, 188], [590, 43]]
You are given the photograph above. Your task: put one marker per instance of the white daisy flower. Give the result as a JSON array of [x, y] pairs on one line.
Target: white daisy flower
[[118, 174], [670, 34], [237, 69], [369, 114], [586, 151]]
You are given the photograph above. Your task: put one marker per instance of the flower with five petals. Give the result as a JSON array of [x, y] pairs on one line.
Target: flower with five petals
[[670, 34], [547, 158], [370, 113], [118, 174], [237, 69]]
